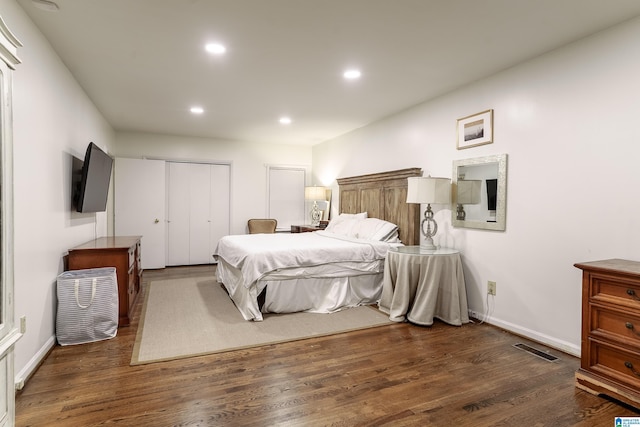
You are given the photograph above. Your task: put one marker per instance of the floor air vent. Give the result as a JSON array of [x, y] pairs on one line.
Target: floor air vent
[[546, 356]]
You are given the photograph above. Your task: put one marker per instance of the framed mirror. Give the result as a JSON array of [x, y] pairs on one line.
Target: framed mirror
[[479, 193]]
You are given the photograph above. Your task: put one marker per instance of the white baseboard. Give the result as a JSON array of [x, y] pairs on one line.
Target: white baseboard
[[550, 341], [33, 364]]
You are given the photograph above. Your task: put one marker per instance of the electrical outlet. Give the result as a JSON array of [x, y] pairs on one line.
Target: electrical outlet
[[491, 288]]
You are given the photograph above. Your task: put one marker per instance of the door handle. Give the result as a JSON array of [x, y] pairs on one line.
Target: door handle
[[156, 221]]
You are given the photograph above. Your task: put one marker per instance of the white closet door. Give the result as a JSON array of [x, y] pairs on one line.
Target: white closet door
[[220, 205], [199, 196], [139, 188], [178, 208], [198, 211]]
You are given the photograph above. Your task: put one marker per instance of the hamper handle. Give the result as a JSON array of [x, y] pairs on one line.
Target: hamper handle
[[93, 292]]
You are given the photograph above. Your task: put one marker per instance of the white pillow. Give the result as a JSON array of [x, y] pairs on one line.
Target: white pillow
[[374, 229], [334, 224], [342, 227]]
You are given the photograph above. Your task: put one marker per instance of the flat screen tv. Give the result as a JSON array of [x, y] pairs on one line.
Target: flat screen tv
[[94, 182], [492, 194]]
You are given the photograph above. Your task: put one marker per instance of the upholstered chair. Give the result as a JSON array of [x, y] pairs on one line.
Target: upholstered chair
[[262, 225]]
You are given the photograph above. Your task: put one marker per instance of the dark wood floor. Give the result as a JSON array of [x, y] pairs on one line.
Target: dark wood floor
[[398, 375]]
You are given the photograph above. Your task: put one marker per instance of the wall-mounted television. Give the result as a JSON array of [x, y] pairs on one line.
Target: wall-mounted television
[[492, 194], [94, 182]]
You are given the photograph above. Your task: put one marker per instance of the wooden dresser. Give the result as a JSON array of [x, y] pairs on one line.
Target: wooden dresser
[[121, 252], [610, 351]]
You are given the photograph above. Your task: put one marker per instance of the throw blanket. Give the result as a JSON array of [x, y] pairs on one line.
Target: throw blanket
[[259, 254]]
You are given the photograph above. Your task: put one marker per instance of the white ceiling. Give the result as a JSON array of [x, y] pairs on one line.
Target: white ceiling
[[143, 62]]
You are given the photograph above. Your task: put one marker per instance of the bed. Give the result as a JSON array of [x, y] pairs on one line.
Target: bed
[[323, 271]]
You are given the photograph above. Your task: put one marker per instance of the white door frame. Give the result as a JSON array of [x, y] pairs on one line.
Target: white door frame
[[9, 334]]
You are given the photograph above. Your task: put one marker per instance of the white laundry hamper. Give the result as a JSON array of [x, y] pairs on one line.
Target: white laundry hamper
[[87, 305]]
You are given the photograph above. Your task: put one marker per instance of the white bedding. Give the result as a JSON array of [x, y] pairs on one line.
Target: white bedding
[[296, 267]]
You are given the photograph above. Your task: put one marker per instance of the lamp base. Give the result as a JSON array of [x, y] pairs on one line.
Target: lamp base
[[432, 229], [315, 215], [428, 245]]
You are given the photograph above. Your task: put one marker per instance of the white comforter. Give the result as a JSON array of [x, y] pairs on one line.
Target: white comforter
[[257, 255]]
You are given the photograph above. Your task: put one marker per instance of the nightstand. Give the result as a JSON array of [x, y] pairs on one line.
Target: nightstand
[[304, 228], [422, 284]]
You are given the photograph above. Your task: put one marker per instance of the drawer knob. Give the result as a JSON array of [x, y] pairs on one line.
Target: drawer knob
[[629, 366], [630, 327], [632, 294]]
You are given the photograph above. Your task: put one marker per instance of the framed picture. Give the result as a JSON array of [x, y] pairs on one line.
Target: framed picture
[[475, 130]]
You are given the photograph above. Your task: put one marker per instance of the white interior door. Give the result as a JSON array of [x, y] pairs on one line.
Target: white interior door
[[140, 206], [286, 196]]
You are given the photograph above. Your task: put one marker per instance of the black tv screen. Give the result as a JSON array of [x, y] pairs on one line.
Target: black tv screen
[[94, 183], [492, 194]]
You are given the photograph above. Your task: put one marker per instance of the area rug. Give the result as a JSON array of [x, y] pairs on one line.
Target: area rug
[[195, 316]]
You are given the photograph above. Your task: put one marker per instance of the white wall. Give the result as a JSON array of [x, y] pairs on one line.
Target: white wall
[[567, 121], [54, 121], [249, 163]]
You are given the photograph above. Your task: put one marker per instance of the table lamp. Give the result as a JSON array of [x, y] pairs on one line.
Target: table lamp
[[429, 190], [314, 194]]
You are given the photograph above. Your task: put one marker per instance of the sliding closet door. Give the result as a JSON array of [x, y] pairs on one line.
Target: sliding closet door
[[199, 214], [220, 203], [198, 211], [178, 231]]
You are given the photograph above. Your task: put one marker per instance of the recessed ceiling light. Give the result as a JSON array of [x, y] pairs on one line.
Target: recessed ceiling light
[[352, 74], [47, 5], [285, 120], [197, 110], [215, 48]]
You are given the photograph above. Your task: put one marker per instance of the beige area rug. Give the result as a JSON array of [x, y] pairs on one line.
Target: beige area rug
[[195, 316]]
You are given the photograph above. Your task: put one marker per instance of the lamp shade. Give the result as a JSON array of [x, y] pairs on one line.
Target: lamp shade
[[315, 193], [468, 192], [429, 190]]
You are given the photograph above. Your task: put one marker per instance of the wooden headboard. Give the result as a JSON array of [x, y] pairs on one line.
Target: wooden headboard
[[383, 195]]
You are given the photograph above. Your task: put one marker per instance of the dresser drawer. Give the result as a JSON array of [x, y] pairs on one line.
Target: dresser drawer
[[616, 325], [131, 288], [605, 288], [615, 362], [132, 256]]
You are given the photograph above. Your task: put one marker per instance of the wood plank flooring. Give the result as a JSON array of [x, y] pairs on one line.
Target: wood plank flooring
[[398, 375]]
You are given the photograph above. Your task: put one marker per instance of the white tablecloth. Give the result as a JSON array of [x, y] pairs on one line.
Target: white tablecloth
[[418, 287]]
